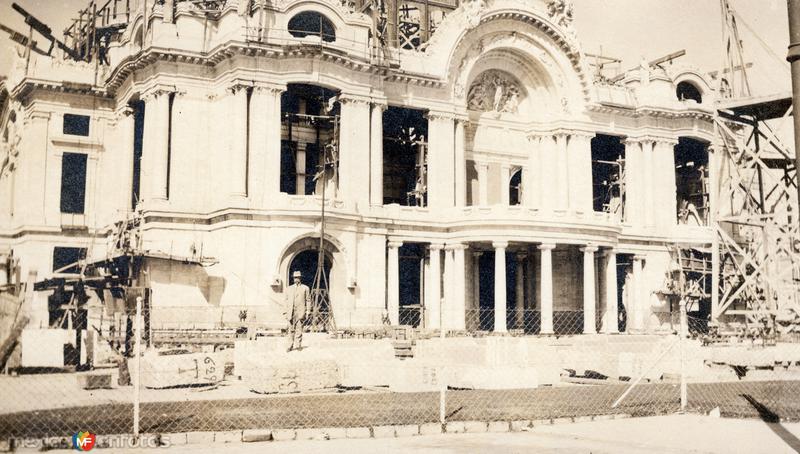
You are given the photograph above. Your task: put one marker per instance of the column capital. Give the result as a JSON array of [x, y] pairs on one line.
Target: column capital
[[436, 246], [521, 256], [500, 244], [270, 89], [640, 257], [362, 101], [605, 252], [379, 105], [477, 254], [589, 248], [440, 115], [394, 244], [546, 246], [157, 92], [455, 246], [578, 134]]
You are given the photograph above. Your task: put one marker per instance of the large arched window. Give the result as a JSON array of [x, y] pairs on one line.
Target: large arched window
[[687, 90], [312, 23]]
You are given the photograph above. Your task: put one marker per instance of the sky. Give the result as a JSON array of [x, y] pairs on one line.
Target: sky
[[625, 29]]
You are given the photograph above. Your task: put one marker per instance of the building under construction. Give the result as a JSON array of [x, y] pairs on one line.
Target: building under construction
[[450, 165]]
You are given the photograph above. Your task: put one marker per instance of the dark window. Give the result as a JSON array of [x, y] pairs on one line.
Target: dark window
[[138, 135], [76, 125], [310, 23], [686, 91], [63, 256], [73, 183]]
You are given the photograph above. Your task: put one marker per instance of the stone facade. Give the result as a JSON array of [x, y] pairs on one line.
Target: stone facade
[[512, 114]]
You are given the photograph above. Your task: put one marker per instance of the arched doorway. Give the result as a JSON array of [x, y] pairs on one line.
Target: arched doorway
[[320, 312], [306, 262]]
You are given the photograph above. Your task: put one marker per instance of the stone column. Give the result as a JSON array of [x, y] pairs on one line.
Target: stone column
[[529, 177], [376, 155], [460, 163], [261, 111], [449, 286], [434, 300], [483, 183], [634, 175], [589, 297], [393, 282], [354, 140], [519, 303], [505, 180], [441, 160], [475, 307], [546, 287], [562, 172], [666, 204], [155, 146], [639, 302], [648, 183], [500, 299], [611, 316], [453, 312], [265, 143], [237, 157], [580, 171], [547, 170]]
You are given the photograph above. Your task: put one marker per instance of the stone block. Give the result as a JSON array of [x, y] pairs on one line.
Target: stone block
[[268, 368], [455, 427], [358, 432], [228, 436], [201, 438], [541, 422], [562, 420], [5, 446], [94, 381], [474, 426], [408, 430], [256, 435], [283, 434], [44, 347], [383, 431], [520, 426], [498, 426], [164, 371], [583, 419], [431, 428]]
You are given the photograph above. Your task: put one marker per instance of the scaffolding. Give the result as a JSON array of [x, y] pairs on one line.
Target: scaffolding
[[755, 251]]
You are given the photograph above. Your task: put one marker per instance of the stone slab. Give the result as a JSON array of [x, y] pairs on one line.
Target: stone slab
[[283, 434], [256, 435], [383, 431], [498, 426], [191, 369]]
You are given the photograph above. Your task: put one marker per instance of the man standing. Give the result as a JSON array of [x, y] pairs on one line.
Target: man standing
[[298, 299]]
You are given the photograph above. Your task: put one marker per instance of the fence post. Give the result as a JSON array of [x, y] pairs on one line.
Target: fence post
[[682, 333], [138, 362]]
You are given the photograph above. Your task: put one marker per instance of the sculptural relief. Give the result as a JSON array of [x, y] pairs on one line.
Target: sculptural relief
[[494, 91]]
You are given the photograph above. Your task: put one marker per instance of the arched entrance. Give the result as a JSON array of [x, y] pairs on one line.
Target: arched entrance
[[302, 255], [306, 262]]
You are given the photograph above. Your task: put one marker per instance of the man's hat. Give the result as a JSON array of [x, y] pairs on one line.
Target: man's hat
[[297, 274]]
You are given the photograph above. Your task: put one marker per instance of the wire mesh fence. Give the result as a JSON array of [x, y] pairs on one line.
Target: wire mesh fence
[[239, 378]]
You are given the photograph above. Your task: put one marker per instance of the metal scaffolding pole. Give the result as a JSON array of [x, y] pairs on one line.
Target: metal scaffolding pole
[[794, 59]]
